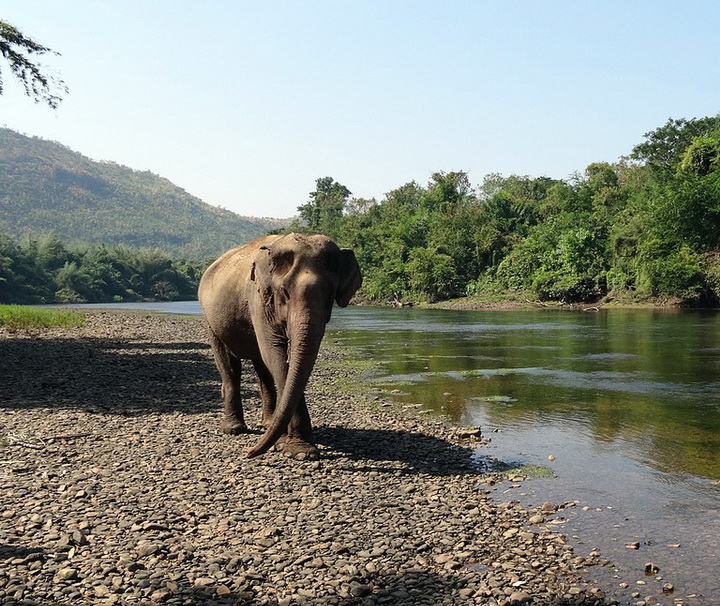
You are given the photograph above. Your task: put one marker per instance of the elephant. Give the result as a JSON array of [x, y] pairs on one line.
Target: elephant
[[268, 301]]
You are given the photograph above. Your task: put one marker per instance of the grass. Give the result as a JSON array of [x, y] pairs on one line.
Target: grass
[[17, 317], [509, 469]]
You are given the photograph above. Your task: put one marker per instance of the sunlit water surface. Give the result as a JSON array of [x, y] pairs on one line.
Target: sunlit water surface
[[626, 402]]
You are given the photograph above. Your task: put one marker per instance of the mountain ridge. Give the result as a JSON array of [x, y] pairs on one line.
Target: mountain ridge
[[48, 188]]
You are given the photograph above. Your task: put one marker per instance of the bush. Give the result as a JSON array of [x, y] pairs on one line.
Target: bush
[[432, 274], [680, 274]]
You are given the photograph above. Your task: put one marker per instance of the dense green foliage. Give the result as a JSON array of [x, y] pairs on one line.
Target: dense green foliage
[[48, 271], [21, 317], [646, 227], [45, 188]]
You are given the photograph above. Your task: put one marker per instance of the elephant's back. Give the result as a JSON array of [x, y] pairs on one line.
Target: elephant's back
[[226, 278]]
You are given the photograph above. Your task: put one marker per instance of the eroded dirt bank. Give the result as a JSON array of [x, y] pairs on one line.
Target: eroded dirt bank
[[117, 487]]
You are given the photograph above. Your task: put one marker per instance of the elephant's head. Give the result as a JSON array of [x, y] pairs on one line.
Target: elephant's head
[[297, 279]]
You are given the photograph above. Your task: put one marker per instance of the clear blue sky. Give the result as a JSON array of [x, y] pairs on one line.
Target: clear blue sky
[[245, 104]]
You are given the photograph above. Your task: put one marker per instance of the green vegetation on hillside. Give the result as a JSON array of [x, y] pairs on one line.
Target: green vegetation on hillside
[[20, 317], [48, 271], [46, 188], [646, 227]]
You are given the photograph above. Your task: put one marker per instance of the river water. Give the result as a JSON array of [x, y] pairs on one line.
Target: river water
[[626, 403], [620, 407]]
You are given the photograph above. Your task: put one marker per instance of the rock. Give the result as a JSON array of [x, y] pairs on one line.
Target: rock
[[160, 596], [471, 432], [147, 548], [78, 537], [519, 597], [536, 519], [67, 574], [360, 591]]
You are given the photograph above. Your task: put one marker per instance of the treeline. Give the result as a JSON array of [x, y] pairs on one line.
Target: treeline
[[646, 227], [48, 271]]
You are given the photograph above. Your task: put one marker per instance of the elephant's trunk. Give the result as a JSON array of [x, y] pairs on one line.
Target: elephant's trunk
[[305, 338]]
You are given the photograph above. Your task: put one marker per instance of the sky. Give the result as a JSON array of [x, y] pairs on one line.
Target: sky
[[246, 104]]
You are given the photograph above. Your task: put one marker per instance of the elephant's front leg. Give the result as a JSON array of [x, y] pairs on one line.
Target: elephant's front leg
[[229, 367], [268, 393], [299, 442]]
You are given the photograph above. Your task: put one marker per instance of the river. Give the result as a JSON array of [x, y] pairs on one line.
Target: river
[[620, 407]]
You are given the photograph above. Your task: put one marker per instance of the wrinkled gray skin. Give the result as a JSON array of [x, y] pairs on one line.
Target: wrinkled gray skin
[[268, 302]]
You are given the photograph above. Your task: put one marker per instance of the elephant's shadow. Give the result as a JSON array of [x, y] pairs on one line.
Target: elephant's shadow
[[393, 451]]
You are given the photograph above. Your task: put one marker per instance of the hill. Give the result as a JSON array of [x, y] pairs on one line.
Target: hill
[[45, 187]]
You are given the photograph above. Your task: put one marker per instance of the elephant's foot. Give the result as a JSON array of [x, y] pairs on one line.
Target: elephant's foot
[[233, 427], [297, 449]]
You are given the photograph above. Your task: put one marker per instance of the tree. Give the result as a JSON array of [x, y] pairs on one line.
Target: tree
[[17, 48], [663, 147], [326, 205], [702, 156]]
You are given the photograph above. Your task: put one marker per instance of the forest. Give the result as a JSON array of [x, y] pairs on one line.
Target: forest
[[646, 228], [48, 271]]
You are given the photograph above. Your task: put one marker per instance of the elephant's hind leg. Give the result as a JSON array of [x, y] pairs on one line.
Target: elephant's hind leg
[[229, 367]]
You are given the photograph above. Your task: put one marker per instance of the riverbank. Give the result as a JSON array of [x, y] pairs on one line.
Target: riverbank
[[118, 488], [507, 303]]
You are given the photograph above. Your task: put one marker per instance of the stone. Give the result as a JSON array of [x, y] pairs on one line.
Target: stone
[[67, 574], [519, 597], [359, 590], [536, 519], [147, 548]]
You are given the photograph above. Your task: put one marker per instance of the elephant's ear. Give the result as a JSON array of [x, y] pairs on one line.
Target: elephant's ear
[[252, 267], [350, 277]]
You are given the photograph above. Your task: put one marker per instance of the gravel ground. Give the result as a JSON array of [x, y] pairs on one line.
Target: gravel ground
[[118, 488]]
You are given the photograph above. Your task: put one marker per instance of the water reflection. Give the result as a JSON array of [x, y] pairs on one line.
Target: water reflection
[[645, 377]]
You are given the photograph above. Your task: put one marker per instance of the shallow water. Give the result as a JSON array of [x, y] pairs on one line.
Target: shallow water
[[626, 402]]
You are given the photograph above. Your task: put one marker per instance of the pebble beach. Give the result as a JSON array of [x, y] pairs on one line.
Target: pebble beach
[[118, 488]]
